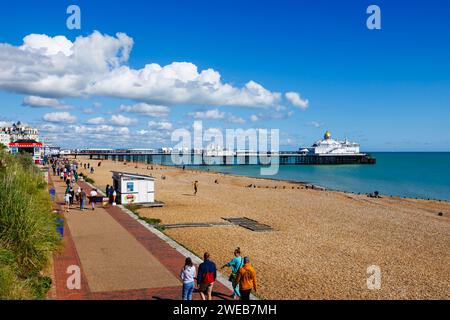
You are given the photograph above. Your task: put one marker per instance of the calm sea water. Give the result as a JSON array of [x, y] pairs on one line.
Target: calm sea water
[[405, 174]]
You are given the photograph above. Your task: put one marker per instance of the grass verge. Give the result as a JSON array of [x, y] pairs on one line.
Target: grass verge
[[28, 235], [152, 221]]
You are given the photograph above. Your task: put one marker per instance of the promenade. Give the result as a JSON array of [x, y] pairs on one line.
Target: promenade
[[118, 257]]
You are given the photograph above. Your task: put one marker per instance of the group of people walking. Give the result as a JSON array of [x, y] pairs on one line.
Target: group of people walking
[[242, 277], [68, 172]]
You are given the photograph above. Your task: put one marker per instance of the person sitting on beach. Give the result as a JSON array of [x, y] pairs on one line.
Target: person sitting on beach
[[187, 275], [246, 278], [236, 264], [206, 276]]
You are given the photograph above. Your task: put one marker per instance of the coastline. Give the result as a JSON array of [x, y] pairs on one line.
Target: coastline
[[307, 183], [328, 188], [323, 241]]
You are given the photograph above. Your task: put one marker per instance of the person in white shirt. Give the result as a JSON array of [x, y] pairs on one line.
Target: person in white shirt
[[67, 197], [187, 275], [77, 195], [93, 196]]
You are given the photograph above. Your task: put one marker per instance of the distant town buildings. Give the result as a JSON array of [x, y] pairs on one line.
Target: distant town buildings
[[18, 131]]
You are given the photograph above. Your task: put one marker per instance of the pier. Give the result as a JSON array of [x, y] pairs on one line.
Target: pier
[[236, 158]]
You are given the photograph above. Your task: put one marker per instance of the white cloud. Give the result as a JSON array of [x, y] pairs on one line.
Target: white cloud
[[142, 132], [163, 125], [40, 102], [90, 130], [146, 109], [104, 136], [234, 119], [209, 114], [124, 131], [120, 120], [5, 124], [92, 109], [97, 65], [278, 113], [296, 100], [315, 124], [216, 114], [47, 45], [96, 121], [49, 127], [254, 118], [64, 117], [88, 111]]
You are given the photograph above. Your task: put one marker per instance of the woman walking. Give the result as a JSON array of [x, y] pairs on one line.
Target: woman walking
[[236, 263], [187, 275]]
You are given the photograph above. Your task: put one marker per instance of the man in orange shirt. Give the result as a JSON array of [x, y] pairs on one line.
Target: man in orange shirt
[[246, 277]]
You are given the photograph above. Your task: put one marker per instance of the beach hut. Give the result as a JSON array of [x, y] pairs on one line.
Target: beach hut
[[133, 188]]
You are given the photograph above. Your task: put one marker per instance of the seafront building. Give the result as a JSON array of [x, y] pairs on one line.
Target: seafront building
[[19, 131], [21, 138]]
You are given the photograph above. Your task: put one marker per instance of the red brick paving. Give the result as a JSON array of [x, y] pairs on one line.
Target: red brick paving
[[64, 258], [168, 256]]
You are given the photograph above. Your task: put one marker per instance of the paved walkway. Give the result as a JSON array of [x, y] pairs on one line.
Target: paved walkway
[[118, 257]]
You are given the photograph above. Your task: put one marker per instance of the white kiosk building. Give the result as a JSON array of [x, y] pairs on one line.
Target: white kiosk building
[[133, 188]]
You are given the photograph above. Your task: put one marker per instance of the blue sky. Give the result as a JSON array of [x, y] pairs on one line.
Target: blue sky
[[388, 89]]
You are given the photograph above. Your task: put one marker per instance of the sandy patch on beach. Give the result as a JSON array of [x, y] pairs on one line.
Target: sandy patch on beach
[[323, 241]]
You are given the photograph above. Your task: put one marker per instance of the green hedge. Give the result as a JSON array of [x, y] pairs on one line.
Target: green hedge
[[28, 234]]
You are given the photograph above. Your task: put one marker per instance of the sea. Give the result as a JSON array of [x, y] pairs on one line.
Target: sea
[[424, 175]]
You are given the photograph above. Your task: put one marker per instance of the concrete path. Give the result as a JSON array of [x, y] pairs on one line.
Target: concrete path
[[119, 258]]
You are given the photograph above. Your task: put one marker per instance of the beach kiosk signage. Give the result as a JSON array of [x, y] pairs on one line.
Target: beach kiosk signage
[[133, 188], [36, 149]]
